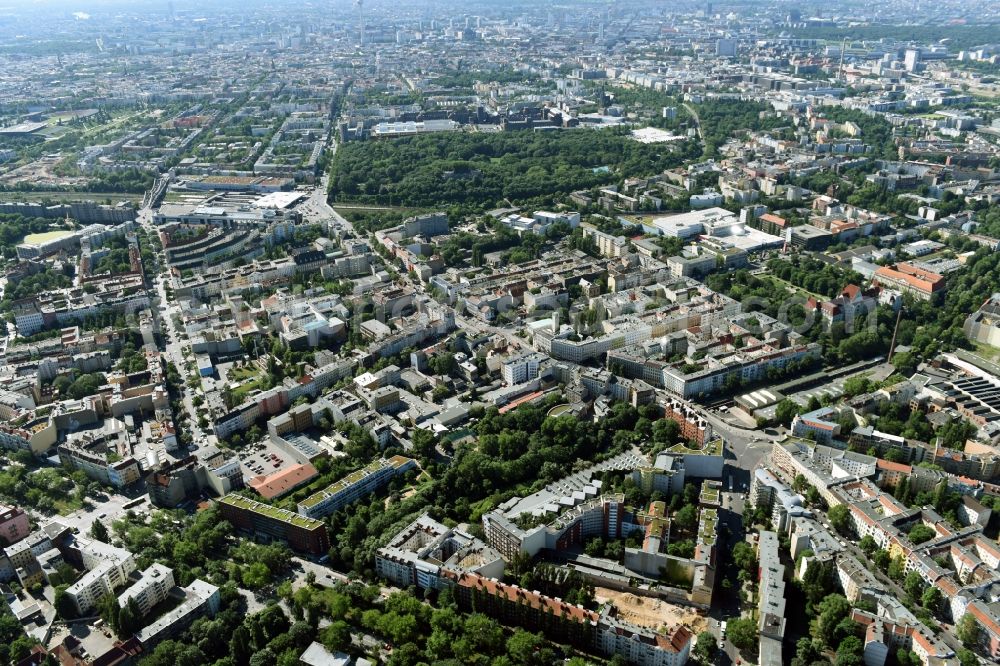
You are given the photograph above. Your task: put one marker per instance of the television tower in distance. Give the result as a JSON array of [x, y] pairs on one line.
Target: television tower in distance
[[361, 21], [843, 50]]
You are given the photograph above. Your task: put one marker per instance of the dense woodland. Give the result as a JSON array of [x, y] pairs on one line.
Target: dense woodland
[[723, 119], [484, 169]]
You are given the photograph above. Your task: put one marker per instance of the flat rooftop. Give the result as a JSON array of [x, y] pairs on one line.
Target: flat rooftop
[[282, 515]]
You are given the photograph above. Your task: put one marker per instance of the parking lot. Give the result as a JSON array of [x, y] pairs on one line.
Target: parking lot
[[95, 641], [263, 459]]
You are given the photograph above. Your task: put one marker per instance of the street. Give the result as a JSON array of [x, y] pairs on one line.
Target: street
[[165, 313]]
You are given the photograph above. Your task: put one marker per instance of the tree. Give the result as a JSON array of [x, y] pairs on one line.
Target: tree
[[443, 364], [914, 585], [967, 657], [109, 610], [744, 557], [968, 631], [265, 657], [337, 636], [856, 386], [839, 517], [785, 411], [86, 385], [931, 599], [666, 431], [256, 576], [485, 633], [129, 619], [920, 533], [807, 652], [882, 559], [850, 652], [706, 647], [896, 568], [687, 517], [868, 545], [817, 582], [174, 653], [63, 603], [239, 646], [527, 648], [424, 442], [742, 632], [99, 531], [831, 611]]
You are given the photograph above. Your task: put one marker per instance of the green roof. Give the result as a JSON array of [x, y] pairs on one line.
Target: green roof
[[395, 462], [711, 448], [706, 529], [283, 515]]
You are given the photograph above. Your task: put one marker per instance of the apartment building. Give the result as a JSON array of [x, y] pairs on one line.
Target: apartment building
[[884, 636], [983, 325], [108, 567], [271, 523], [422, 552], [778, 499], [152, 588], [587, 513], [521, 368], [123, 294], [14, 525], [708, 377], [26, 433], [607, 244], [276, 400], [568, 623], [201, 599], [354, 486], [771, 596], [98, 465], [818, 425], [646, 648]]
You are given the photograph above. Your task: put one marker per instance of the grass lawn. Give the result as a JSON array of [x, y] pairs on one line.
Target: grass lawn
[[245, 389], [239, 374], [987, 352], [67, 505]]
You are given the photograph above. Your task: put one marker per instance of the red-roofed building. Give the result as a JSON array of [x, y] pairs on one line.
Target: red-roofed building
[[889, 474], [853, 302], [905, 277], [773, 224], [279, 484], [990, 636], [569, 623]]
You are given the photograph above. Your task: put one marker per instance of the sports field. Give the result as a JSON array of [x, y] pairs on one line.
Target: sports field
[[45, 236]]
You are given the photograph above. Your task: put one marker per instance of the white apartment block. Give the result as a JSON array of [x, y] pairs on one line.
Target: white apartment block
[[108, 567], [200, 599], [152, 588], [521, 368]]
